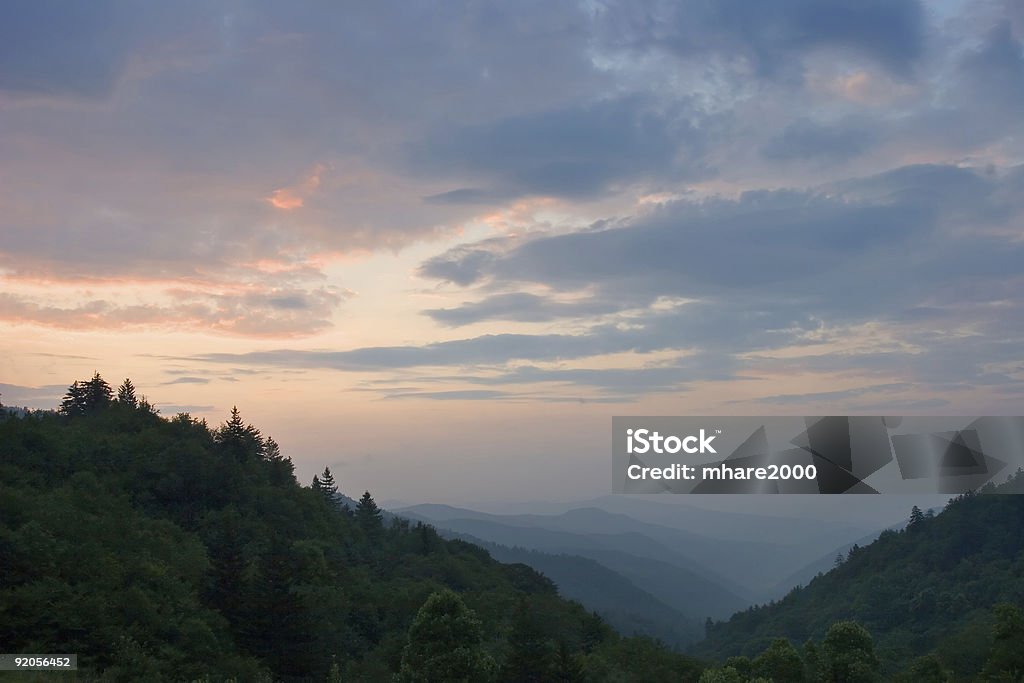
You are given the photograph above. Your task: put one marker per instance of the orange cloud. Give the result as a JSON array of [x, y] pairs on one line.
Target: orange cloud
[[295, 196], [284, 199]]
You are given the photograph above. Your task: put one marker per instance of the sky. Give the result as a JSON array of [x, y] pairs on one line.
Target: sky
[[437, 246]]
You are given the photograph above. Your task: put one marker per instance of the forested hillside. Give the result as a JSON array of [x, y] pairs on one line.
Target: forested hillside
[[625, 606], [166, 549], [946, 585]]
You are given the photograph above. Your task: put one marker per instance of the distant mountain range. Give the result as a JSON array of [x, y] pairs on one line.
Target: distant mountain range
[[660, 578]]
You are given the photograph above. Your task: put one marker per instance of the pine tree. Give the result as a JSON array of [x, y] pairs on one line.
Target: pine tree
[[282, 470], [73, 403], [98, 393], [279, 625], [126, 394], [531, 657], [316, 485], [327, 486], [227, 560], [239, 439], [916, 516], [369, 516]]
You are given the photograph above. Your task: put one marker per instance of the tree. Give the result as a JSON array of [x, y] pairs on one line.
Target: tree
[[530, 651], [86, 397], [73, 403], [241, 440], [228, 563], [279, 626], [368, 515], [726, 674], [328, 487], [928, 669], [445, 644], [916, 516], [568, 665], [848, 654], [1006, 659], [315, 484], [126, 394], [282, 470], [98, 393], [780, 662]]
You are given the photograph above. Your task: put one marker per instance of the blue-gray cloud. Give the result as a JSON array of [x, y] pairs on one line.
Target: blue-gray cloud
[[48, 47], [807, 248], [807, 140], [578, 151], [773, 36]]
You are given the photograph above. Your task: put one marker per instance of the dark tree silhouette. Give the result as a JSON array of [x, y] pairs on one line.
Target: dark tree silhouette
[[282, 470], [126, 394], [86, 397], [328, 487], [369, 516], [241, 440]]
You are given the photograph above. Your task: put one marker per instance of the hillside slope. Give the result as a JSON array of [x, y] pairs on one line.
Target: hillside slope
[[930, 587], [163, 550]]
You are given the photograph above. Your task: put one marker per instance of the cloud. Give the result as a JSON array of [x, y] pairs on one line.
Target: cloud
[[807, 248], [521, 307], [745, 279], [54, 48], [295, 196], [43, 397], [188, 380], [578, 151], [994, 73], [174, 408], [267, 313], [774, 37], [807, 140]]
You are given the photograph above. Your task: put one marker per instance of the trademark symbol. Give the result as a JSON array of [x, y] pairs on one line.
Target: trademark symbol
[[718, 431]]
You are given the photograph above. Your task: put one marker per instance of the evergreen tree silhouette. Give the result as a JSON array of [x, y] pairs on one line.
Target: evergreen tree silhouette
[[369, 516], [282, 470], [239, 439], [328, 486], [126, 394], [86, 397]]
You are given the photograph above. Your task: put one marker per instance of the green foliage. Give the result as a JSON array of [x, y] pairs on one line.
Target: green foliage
[[368, 515], [531, 650], [164, 550], [780, 663], [848, 655], [1006, 660], [927, 669], [445, 644], [927, 589], [726, 674]]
